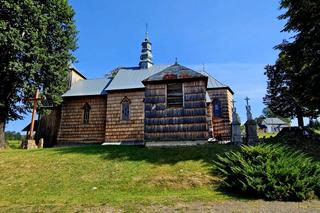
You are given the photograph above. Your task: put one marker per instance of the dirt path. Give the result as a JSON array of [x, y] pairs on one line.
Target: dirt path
[[240, 206], [223, 206]]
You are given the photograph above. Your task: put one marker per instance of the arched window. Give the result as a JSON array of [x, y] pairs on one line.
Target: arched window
[[125, 109], [86, 113], [216, 104]]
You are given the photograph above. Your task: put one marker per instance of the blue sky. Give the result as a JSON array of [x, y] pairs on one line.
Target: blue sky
[[233, 39]]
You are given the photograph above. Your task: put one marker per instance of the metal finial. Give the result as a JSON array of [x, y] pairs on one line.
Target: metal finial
[[176, 62], [147, 30]]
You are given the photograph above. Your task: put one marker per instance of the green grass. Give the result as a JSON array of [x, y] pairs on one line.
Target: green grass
[[114, 175], [317, 131], [266, 134], [14, 144]]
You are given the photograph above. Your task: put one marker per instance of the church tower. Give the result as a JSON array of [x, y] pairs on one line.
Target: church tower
[[146, 53]]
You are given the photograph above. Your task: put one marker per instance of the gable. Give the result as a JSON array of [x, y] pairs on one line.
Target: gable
[[175, 72]]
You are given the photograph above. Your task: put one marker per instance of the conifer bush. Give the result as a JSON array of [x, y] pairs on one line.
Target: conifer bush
[[272, 172]]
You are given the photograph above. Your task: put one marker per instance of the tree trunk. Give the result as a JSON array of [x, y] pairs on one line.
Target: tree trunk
[[2, 135], [300, 120]]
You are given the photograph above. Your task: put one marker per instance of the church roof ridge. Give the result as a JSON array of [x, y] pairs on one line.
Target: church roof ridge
[[175, 72]]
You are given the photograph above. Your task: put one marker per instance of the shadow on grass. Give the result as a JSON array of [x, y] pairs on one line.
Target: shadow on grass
[[206, 153], [161, 156]]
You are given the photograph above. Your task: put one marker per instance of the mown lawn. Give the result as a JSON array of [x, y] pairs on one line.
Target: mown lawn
[[117, 176], [266, 135]]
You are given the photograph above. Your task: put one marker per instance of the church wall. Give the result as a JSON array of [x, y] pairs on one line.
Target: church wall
[[209, 119], [72, 128], [73, 77], [118, 130], [187, 123], [221, 125]]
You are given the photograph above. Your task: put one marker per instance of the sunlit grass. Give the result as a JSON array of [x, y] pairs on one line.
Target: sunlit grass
[[113, 175]]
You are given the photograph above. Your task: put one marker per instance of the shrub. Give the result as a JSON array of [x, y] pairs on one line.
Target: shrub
[[272, 172]]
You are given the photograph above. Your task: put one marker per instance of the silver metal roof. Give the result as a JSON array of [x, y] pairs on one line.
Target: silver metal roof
[[88, 88], [273, 121], [131, 78], [212, 82], [125, 78]]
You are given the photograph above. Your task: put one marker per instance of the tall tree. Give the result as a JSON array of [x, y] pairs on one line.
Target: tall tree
[[293, 81], [37, 39]]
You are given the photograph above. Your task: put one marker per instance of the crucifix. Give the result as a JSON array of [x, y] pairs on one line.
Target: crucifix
[[34, 111], [247, 99], [248, 108]]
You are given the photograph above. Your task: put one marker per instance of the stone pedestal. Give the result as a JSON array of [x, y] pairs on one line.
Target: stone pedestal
[[236, 138], [29, 144], [40, 144], [251, 132]]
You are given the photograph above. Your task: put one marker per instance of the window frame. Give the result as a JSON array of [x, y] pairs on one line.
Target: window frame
[[170, 106], [214, 103], [125, 101], [86, 113]]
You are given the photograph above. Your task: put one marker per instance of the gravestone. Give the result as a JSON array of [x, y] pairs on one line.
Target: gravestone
[[236, 138], [251, 126]]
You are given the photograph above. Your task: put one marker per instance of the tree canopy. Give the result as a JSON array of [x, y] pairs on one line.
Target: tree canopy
[[293, 81], [37, 40]]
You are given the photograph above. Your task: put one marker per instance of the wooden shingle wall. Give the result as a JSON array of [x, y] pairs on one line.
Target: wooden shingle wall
[[48, 127], [222, 125], [187, 123], [73, 130], [118, 130]]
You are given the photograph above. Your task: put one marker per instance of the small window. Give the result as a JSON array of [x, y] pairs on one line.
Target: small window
[[174, 95], [125, 109], [86, 113], [217, 111]]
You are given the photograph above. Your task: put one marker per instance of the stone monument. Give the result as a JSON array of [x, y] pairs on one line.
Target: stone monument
[[29, 144], [251, 126], [236, 138]]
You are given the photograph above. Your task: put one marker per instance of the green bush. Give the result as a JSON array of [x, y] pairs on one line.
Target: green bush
[[272, 172]]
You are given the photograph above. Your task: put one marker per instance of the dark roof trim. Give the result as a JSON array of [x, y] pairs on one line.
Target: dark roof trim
[[84, 96], [28, 127], [176, 80], [126, 90], [217, 88]]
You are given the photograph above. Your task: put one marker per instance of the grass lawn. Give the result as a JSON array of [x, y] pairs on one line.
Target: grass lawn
[[61, 179], [266, 134]]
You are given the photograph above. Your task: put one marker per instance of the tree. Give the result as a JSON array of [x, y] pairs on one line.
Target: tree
[[267, 113], [37, 39], [293, 81]]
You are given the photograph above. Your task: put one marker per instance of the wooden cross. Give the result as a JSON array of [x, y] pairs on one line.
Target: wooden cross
[[34, 111]]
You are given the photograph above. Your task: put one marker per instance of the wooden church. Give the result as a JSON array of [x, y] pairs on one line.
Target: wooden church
[[149, 103]]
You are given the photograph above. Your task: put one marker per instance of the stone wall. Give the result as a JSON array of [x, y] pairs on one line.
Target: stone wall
[[73, 129], [118, 130], [222, 125]]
